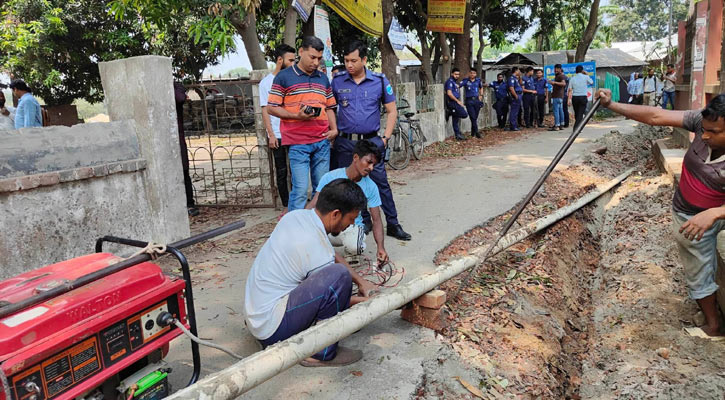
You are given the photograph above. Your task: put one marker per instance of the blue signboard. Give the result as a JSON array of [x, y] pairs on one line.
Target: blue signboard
[[570, 69]]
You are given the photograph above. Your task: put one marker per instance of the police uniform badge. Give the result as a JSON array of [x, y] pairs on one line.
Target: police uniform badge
[[344, 102]]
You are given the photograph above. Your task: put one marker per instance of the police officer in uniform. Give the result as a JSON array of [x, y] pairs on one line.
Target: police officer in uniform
[[529, 97], [515, 93], [474, 99], [500, 89], [541, 96], [454, 105], [359, 93]]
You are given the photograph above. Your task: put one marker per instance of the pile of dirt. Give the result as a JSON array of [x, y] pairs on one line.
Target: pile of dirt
[[593, 307]]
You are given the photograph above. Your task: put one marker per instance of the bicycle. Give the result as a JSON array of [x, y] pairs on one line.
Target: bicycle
[[403, 146]]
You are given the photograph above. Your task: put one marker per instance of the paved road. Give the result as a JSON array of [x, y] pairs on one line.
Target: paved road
[[453, 197]]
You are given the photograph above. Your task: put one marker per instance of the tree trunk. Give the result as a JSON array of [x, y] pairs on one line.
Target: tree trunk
[[435, 62], [390, 60], [463, 43], [247, 29], [426, 77], [540, 41], [290, 25], [589, 31], [481, 45], [308, 28], [445, 56]]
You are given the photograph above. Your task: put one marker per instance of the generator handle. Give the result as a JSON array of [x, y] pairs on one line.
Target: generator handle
[[112, 269]]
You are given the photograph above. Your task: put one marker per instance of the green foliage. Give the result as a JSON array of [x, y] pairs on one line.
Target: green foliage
[[55, 46], [639, 20], [240, 71]]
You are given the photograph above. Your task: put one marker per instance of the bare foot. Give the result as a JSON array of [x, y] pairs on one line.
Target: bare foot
[[344, 356]]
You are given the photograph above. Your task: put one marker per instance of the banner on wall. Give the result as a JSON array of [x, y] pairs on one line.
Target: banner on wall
[[366, 15], [322, 31], [570, 69], [446, 16]]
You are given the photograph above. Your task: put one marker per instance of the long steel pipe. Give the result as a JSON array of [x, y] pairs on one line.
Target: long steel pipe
[[259, 367]]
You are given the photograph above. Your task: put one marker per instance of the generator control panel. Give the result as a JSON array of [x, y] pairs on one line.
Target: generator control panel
[[71, 366]]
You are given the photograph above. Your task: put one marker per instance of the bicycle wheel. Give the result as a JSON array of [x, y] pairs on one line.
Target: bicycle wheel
[[417, 142], [399, 151]]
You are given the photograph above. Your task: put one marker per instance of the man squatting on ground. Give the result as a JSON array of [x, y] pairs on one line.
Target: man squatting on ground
[[284, 58], [698, 207], [297, 279], [302, 98], [352, 239], [359, 93]]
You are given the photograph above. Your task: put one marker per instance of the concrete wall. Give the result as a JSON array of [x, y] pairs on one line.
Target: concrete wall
[[58, 194]]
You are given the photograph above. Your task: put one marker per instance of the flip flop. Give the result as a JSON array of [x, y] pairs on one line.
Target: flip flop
[[698, 332], [344, 357]]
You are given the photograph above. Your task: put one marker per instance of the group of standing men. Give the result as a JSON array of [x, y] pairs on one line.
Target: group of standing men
[[644, 89], [329, 132]]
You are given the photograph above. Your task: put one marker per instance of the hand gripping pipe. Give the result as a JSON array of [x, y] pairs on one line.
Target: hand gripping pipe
[[261, 366]]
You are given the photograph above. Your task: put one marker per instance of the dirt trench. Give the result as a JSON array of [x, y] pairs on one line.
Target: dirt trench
[[593, 307]]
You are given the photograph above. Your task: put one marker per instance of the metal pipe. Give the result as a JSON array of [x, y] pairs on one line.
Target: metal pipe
[[575, 132], [244, 375], [111, 269]]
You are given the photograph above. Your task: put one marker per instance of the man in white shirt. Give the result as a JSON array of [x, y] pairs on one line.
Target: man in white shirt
[[297, 279], [668, 90], [651, 85], [284, 57], [578, 93]]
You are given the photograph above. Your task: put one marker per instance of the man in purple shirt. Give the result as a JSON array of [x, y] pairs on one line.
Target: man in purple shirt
[[359, 93]]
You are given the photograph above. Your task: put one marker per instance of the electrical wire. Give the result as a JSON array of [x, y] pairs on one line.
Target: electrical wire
[[205, 342], [382, 275]]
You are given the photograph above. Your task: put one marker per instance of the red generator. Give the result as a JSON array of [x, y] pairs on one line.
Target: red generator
[[96, 326]]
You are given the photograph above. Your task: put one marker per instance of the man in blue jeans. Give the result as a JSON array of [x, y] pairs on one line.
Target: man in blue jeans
[[557, 97], [297, 279], [301, 97]]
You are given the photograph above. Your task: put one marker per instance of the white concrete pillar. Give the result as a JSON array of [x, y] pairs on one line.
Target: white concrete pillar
[[141, 89]]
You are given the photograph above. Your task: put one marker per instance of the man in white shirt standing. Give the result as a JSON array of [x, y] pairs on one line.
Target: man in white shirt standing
[[578, 91], [297, 279], [284, 57], [651, 84], [668, 91], [7, 114]]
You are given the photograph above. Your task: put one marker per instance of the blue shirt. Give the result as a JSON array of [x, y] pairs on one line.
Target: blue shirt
[[366, 184], [454, 87], [500, 88], [529, 83], [580, 84], [636, 87], [540, 85], [472, 87], [514, 83], [358, 104], [28, 113]]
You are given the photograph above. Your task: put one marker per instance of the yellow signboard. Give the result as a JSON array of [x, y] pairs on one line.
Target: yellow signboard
[[366, 15], [446, 16]]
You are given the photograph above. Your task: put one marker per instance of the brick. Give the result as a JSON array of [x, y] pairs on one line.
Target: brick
[[433, 299], [9, 185], [67, 175], [115, 167], [426, 317], [49, 179], [29, 182], [84, 173], [100, 170]]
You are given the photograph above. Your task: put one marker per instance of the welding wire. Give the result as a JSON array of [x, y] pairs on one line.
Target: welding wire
[[205, 342], [577, 130]]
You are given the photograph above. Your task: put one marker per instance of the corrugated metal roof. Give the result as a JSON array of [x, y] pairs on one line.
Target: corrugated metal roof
[[611, 58]]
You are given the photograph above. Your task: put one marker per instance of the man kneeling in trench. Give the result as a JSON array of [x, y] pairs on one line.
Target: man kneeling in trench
[[698, 207], [297, 279]]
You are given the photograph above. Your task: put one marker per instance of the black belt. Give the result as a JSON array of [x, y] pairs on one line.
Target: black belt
[[649, 92], [359, 136]]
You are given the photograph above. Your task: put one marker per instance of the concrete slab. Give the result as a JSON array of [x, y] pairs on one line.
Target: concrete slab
[[435, 207]]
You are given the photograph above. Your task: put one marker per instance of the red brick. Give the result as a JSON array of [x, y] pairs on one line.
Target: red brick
[[49, 179], [84, 172], [29, 182], [427, 317], [433, 299], [8, 185]]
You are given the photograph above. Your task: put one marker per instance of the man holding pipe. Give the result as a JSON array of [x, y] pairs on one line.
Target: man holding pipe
[[698, 207]]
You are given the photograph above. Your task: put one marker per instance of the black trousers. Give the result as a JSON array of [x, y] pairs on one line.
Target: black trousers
[[502, 110], [565, 106], [188, 185], [580, 107], [529, 109], [280, 168], [540, 107]]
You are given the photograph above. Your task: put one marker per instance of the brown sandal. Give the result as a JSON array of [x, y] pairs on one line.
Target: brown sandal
[[344, 357]]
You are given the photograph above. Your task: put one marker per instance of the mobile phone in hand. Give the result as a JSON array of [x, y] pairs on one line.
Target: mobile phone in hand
[[310, 110]]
